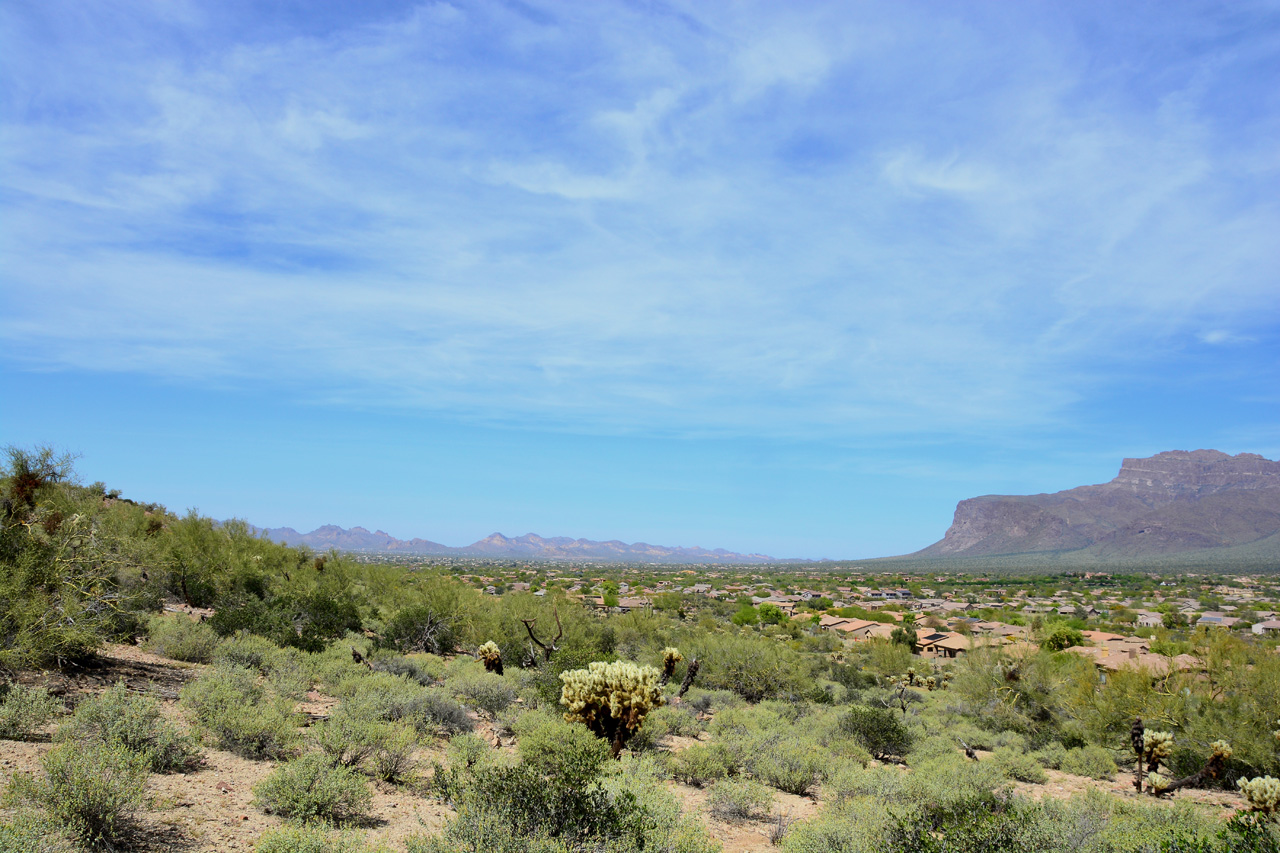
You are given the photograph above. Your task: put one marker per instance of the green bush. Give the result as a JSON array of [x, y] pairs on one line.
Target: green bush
[[289, 673], [420, 628], [702, 764], [392, 759], [25, 710], [431, 711], [180, 638], [558, 750], [349, 739], [789, 764], [31, 831], [245, 650], [483, 691], [739, 799], [1051, 755], [1018, 765], [311, 788], [93, 790], [234, 708], [752, 666], [309, 839], [467, 750], [1092, 761], [878, 729], [121, 718]]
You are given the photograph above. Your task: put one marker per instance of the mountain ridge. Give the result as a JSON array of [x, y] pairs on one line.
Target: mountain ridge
[[1173, 502], [499, 546]]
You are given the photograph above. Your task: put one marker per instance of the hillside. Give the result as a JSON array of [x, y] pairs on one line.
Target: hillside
[[1177, 502]]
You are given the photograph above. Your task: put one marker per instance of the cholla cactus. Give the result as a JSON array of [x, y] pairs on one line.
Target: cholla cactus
[[931, 683], [491, 656], [1157, 746], [611, 699], [1221, 749], [1262, 793], [1156, 783], [670, 657]]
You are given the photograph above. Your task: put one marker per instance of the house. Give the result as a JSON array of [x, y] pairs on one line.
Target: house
[[1150, 620], [1271, 626], [1218, 621]]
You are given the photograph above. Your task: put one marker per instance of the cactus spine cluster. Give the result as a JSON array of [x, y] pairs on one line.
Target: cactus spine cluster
[[670, 657], [1262, 793], [491, 656], [611, 699]]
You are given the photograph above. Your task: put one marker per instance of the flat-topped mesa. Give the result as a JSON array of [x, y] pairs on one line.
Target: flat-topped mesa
[[1195, 473]]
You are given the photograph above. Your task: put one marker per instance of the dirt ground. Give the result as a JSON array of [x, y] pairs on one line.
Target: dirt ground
[[211, 808]]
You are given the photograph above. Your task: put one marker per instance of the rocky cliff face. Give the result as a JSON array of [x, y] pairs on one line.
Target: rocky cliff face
[[1173, 501]]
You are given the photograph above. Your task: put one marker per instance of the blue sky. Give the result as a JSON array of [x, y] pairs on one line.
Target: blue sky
[[782, 278]]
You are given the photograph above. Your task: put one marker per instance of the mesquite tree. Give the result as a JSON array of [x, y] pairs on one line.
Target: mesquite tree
[[611, 699]]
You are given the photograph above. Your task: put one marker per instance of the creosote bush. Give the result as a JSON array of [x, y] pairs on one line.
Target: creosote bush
[[181, 638], [25, 710], [134, 722], [230, 704], [313, 788], [739, 799], [91, 789], [313, 838]]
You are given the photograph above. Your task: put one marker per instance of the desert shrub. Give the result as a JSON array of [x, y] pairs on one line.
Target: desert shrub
[[1010, 740], [348, 739], [1018, 765], [1092, 761], [180, 638], [678, 720], [556, 749], [856, 826], [93, 790], [31, 831], [314, 838], [121, 718], [657, 823], [1051, 755], [310, 788], [752, 666], [789, 764], [289, 673], [25, 710], [877, 729], [702, 764], [483, 691], [392, 758], [739, 799], [935, 746], [703, 701], [424, 669], [246, 650], [467, 750], [230, 705], [430, 711]]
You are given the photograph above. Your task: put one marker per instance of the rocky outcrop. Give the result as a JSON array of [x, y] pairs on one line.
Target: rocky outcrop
[[1171, 502]]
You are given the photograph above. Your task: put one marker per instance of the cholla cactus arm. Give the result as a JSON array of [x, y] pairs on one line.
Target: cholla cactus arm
[[1262, 793], [611, 699], [1211, 770], [690, 674], [491, 656], [670, 657]]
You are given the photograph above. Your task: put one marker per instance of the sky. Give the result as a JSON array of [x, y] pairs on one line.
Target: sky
[[783, 278]]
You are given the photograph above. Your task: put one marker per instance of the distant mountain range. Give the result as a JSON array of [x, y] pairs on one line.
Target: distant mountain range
[[1171, 503], [528, 547]]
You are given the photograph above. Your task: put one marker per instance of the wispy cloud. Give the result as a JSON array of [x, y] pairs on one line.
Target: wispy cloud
[[624, 218]]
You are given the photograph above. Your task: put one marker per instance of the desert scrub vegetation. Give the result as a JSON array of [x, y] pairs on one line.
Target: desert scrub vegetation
[[240, 714], [312, 838], [25, 710], [739, 799], [181, 638], [92, 790], [312, 787], [132, 722]]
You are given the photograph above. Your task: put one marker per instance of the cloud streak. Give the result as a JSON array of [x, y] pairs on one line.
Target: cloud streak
[[619, 218]]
